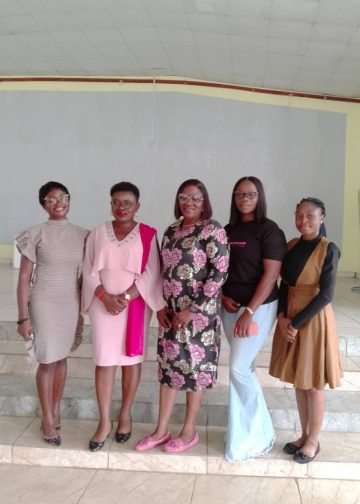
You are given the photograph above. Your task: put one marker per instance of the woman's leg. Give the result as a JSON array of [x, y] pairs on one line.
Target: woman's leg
[[60, 373], [193, 404], [166, 404], [45, 384], [303, 409], [104, 384], [129, 385], [316, 409]]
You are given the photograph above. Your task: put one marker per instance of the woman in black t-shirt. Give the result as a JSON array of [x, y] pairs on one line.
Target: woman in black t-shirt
[[257, 247]]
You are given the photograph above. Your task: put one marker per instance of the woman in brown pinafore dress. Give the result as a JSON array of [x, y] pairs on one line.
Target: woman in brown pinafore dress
[[305, 346]]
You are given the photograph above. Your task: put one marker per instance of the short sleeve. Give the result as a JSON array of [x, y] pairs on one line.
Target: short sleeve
[[26, 243], [273, 241]]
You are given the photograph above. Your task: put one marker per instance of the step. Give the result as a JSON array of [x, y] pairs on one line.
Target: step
[[21, 443], [18, 397], [18, 394]]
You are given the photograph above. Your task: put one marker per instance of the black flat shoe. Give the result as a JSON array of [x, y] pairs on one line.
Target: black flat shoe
[[120, 437], [97, 445], [290, 448], [302, 458]]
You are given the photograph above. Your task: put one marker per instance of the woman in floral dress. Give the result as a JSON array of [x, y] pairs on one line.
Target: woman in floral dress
[[194, 265]]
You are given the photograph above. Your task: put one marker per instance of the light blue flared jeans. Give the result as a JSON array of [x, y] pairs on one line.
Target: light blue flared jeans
[[250, 429]]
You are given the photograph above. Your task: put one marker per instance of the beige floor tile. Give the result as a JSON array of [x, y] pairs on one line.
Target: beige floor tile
[[114, 487], [45, 485], [11, 428], [245, 490], [329, 492]]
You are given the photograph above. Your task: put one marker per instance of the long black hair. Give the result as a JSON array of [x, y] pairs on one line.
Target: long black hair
[[318, 204], [260, 211]]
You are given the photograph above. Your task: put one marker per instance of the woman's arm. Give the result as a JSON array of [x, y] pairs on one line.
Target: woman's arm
[[263, 290], [23, 294], [217, 253]]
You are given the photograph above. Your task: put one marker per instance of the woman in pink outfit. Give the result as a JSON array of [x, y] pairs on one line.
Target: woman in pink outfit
[[121, 285]]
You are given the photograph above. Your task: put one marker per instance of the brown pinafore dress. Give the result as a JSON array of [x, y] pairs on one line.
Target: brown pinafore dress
[[313, 360]]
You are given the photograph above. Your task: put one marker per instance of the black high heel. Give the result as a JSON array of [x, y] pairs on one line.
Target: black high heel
[[97, 445]]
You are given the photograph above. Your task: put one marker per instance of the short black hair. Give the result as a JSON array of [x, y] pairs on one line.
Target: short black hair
[[125, 187], [49, 186], [318, 204], [207, 209], [260, 211]]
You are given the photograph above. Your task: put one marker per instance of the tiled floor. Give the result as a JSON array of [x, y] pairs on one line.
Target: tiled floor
[[31, 480]]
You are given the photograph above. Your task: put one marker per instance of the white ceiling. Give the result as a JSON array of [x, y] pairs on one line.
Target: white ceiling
[[311, 46]]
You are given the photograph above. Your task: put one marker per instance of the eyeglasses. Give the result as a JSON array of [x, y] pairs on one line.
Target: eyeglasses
[[185, 198], [124, 204], [242, 195], [63, 198]]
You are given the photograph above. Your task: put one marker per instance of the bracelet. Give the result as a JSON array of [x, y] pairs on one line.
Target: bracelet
[[127, 296], [101, 294], [21, 321], [247, 308]]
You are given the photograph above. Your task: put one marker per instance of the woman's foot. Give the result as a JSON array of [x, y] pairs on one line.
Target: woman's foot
[[99, 438], [177, 445], [123, 431], [149, 442], [50, 435], [302, 457], [293, 446]]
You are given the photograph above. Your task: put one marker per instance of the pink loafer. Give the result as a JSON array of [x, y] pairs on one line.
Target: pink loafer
[[146, 442], [177, 445]]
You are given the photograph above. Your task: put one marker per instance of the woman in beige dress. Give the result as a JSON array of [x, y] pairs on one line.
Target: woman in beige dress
[[305, 348], [48, 295]]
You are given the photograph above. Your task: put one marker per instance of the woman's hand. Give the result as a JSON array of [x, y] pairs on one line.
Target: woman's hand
[[291, 333], [288, 332], [182, 319], [25, 330], [243, 325], [164, 318], [114, 304], [230, 304]]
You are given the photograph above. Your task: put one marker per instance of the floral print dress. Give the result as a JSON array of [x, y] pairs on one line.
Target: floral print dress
[[194, 266]]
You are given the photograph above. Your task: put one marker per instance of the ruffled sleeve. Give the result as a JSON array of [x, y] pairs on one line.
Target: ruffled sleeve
[[26, 243], [150, 284]]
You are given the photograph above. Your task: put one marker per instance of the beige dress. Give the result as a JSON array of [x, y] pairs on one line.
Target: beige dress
[[313, 360], [56, 247]]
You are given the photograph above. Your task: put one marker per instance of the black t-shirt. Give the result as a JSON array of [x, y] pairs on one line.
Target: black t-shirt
[[251, 243]]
